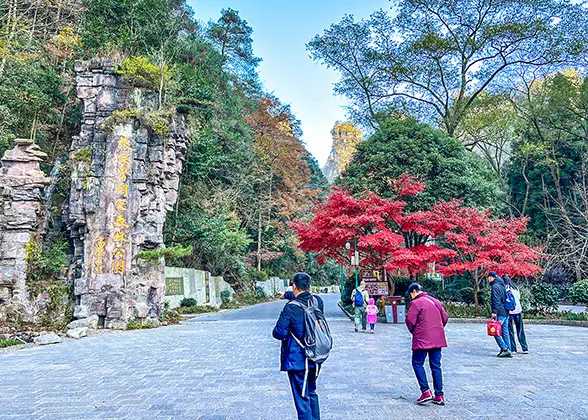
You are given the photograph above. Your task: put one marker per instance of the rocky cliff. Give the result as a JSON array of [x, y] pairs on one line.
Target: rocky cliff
[[126, 164], [346, 137]]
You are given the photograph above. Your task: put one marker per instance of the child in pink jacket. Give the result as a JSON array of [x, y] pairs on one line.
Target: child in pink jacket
[[372, 314]]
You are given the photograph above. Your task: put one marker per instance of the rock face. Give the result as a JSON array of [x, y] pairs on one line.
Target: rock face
[[346, 137], [21, 188], [125, 177]]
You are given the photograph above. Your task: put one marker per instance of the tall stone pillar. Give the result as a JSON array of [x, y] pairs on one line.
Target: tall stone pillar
[[21, 188], [125, 176]]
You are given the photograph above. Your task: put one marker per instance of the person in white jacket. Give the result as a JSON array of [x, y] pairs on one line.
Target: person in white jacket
[[516, 317]]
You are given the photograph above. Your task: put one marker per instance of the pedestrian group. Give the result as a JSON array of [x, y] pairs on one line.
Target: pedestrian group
[[306, 339]]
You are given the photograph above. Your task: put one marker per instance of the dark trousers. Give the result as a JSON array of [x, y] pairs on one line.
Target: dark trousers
[[517, 320], [307, 406], [418, 362]]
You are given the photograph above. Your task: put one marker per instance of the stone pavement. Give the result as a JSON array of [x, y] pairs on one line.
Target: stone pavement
[[225, 366]]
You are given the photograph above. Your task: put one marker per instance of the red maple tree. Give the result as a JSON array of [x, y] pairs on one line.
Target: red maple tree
[[382, 230], [479, 243]]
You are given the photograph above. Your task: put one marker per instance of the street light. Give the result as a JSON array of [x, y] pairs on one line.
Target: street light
[[354, 258]]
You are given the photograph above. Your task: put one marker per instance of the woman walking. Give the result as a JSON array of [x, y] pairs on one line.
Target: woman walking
[[426, 320], [515, 317]]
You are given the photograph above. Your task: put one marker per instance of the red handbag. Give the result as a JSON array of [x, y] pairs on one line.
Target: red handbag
[[494, 328]]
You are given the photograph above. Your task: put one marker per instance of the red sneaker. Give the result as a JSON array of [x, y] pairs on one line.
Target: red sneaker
[[426, 396], [439, 400]]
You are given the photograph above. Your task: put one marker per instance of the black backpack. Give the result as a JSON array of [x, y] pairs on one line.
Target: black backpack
[[317, 341]]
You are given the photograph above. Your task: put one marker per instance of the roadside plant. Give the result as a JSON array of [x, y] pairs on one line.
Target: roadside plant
[[579, 292]]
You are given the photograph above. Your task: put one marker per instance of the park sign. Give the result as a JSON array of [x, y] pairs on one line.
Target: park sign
[[376, 282]]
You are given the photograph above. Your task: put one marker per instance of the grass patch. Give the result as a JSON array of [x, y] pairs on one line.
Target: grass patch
[[566, 315], [138, 325], [462, 310], [9, 342], [196, 309]]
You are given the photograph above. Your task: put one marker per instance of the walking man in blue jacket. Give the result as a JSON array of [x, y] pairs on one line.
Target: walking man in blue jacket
[[302, 372], [499, 312]]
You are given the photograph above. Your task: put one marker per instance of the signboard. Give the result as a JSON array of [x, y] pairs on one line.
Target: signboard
[[376, 283], [174, 286]]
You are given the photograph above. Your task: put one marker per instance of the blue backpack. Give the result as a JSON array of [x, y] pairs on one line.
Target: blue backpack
[[358, 299], [510, 302]]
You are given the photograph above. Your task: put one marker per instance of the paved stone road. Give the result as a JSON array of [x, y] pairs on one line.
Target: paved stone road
[[226, 367]]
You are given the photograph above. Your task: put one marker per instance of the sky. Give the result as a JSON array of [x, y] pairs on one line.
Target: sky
[[281, 30]]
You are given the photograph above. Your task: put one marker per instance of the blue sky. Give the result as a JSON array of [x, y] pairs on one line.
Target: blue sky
[[281, 30]]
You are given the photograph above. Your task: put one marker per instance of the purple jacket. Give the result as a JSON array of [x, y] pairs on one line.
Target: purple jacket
[[426, 320]]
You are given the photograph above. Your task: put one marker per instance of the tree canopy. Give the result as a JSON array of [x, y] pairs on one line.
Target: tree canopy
[[435, 57], [441, 162]]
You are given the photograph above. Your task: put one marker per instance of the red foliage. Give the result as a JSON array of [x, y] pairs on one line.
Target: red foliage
[[461, 239], [480, 243], [378, 225]]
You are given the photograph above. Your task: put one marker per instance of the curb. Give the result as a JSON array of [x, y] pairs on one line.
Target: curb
[[531, 321], [344, 311], [561, 322]]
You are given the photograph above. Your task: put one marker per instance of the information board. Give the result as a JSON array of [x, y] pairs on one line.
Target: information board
[[174, 286], [375, 282]]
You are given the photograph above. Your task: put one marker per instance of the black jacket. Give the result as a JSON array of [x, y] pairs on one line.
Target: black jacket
[[498, 297], [292, 320]]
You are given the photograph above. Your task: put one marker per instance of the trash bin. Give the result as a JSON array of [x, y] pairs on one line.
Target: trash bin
[[395, 309]]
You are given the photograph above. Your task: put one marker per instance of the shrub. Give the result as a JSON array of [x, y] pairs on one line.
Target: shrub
[[133, 324], [256, 276], [545, 297], [579, 292], [9, 342], [526, 297], [188, 302], [260, 293], [225, 296], [171, 316], [400, 285], [173, 252], [196, 309], [462, 310], [83, 155], [139, 72], [347, 289], [251, 298], [559, 277]]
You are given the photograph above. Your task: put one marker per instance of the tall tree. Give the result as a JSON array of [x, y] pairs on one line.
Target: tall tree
[[435, 57], [281, 171], [441, 162], [548, 173], [231, 35]]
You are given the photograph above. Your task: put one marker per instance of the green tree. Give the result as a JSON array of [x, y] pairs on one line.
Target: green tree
[[440, 161], [548, 173], [231, 35], [435, 57]]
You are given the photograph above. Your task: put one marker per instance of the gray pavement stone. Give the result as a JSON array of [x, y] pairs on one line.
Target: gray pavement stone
[[225, 366]]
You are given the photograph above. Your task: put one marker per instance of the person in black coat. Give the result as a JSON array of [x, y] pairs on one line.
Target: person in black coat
[[499, 312], [302, 372]]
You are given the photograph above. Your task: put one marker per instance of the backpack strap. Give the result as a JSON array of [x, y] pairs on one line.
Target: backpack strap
[[303, 306]]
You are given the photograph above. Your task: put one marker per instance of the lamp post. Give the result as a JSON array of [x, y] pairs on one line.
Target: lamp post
[[354, 259]]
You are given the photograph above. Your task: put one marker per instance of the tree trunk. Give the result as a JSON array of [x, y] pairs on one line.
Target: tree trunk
[[476, 284], [259, 242]]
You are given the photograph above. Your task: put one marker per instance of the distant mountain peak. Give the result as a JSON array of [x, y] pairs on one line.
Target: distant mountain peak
[[346, 137]]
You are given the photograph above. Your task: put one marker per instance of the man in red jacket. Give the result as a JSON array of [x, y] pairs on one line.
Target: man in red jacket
[[426, 320]]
